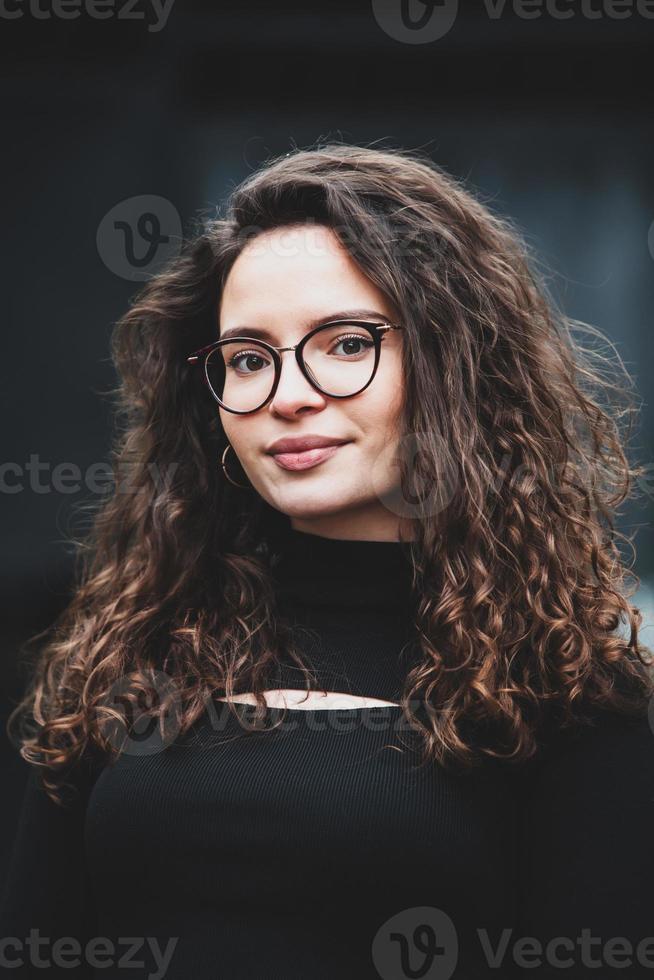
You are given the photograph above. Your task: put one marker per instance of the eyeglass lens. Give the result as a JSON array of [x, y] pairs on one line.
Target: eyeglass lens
[[340, 358]]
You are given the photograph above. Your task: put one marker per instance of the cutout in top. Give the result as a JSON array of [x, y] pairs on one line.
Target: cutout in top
[[310, 700]]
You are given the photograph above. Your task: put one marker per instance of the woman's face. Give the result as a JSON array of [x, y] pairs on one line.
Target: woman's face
[[282, 281]]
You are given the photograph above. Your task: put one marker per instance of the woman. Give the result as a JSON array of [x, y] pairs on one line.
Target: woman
[[362, 587]]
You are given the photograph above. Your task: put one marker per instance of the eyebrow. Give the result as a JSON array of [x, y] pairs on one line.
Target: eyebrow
[[263, 334]]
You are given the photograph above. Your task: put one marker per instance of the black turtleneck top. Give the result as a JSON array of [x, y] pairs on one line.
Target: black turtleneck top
[[319, 850]]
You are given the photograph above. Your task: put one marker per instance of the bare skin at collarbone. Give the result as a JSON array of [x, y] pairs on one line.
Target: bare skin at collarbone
[[289, 698]]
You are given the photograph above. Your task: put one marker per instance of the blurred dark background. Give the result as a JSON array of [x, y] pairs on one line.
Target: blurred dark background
[[547, 116]]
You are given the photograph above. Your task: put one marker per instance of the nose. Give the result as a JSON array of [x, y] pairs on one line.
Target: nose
[[294, 391]]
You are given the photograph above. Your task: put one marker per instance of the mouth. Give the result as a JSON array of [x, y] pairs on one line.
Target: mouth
[[307, 458]]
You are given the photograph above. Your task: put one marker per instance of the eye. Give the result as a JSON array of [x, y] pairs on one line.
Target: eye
[[252, 355], [364, 343]]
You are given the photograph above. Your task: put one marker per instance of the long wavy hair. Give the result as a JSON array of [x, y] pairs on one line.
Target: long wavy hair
[[519, 582]]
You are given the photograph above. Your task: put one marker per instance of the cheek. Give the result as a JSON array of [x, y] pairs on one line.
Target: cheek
[[378, 421], [386, 400], [240, 432], [228, 430]]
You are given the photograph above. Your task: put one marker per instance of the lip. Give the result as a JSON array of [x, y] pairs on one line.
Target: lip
[[308, 458], [298, 444]]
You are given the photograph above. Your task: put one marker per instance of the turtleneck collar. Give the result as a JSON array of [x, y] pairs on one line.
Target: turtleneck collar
[[344, 573]]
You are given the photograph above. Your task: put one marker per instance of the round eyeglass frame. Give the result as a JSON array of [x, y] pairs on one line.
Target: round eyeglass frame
[[376, 330]]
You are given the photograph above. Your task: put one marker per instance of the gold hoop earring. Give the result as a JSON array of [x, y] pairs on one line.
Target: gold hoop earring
[[242, 486]]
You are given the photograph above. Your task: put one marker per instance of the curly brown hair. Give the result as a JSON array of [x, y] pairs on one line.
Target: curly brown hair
[[518, 578]]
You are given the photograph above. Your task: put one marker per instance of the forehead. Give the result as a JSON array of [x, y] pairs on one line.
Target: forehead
[[282, 253], [297, 276]]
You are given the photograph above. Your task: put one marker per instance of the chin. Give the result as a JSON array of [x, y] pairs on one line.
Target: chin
[[311, 505]]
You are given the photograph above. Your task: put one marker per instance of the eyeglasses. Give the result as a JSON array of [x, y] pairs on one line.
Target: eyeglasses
[[243, 374]]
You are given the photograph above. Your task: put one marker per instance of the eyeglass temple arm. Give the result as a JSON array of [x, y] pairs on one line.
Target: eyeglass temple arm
[[196, 355]]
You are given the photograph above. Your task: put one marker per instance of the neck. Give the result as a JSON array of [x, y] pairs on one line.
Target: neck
[[372, 528], [344, 573]]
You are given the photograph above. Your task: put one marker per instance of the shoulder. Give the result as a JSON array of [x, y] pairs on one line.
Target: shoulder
[[607, 764], [586, 850], [608, 738], [73, 787]]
